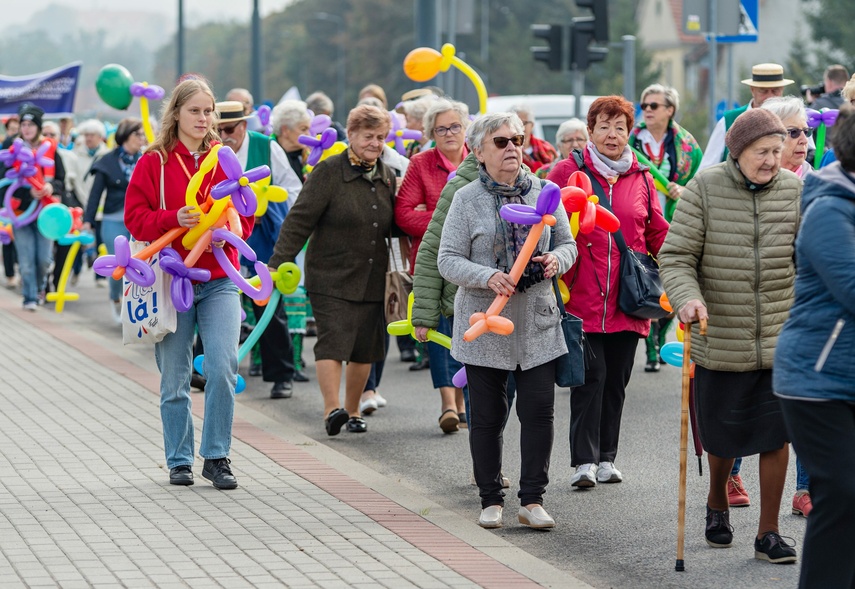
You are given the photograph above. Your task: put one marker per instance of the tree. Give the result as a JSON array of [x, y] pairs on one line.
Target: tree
[[831, 24]]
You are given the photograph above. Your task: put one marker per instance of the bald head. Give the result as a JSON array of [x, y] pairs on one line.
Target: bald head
[[243, 96]]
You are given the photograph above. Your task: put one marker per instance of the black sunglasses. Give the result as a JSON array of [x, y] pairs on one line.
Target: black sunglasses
[[652, 105], [794, 133], [502, 142], [227, 130]]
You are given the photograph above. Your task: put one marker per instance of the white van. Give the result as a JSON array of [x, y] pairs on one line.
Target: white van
[[550, 110]]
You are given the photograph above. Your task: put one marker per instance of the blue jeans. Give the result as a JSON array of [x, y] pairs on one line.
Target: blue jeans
[[216, 312], [802, 478], [35, 252], [110, 228]]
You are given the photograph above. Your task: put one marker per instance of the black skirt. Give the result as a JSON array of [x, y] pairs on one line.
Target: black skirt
[[349, 331], [738, 415]]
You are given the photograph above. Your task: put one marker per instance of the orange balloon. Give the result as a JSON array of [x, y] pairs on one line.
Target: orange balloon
[[422, 64], [664, 303]]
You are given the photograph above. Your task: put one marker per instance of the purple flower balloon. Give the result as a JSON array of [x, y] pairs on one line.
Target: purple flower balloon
[[328, 138], [264, 118], [237, 185], [548, 199], [260, 267], [181, 289], [13, 153], [136, 270], [319, 124], [826, 116], [398, 134], [150, 91], [5, 237]]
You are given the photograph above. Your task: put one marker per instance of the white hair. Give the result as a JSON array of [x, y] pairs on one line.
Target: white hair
[[490, 124], [93, 126], [785, 106], [440, 106], [571, 126], [289, 113]]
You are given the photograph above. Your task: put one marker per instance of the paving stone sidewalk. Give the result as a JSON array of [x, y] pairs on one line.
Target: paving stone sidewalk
[[84, 498]]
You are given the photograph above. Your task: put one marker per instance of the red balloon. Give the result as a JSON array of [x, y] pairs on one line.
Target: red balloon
[[588, 217], [573, 198], [77, 218], [581, 180], [606, 220]]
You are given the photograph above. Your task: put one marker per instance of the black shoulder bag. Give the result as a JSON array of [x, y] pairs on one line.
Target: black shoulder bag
[[640, 285], [569, 368]]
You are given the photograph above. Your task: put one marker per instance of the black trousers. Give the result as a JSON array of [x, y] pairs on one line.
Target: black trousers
[[277, 351], [823, 435], [535, 409], [596, 407], [9, 259]]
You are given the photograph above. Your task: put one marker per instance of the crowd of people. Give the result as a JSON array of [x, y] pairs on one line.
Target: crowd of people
[[740, 230]]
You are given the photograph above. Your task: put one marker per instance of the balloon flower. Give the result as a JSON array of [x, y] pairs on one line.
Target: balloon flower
[[583, 207], [318, 144], [820, 120], [538, 216], [398, 134], [424, 63], [266, 193], [59, 223], [319, 124], [25, 169], [117, 88], [659, 179], [264, 118]]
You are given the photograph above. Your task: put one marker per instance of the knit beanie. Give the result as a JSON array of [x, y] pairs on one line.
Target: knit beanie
[[750, 126], [31, 112]]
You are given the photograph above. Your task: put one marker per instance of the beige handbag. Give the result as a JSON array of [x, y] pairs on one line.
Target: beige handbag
[[399, 285]]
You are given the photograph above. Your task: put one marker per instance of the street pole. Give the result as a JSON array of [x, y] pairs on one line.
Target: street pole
[[730, 86], [578, 88], [629, 67], [180, 39], [713, 15], [257, 88], [452, 38]]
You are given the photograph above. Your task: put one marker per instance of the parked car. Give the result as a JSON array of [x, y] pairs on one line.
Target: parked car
[[550, 110]]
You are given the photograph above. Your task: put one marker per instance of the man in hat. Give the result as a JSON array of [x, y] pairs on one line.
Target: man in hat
[[767, 81], [253, 150], [242, 95]]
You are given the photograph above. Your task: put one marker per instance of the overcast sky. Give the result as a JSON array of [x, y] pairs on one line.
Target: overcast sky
[[195, 11]]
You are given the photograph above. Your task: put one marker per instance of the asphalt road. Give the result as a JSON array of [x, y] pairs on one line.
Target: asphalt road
[[619, 535]]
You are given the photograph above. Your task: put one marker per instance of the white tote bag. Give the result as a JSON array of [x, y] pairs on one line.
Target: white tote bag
[[147, 311]]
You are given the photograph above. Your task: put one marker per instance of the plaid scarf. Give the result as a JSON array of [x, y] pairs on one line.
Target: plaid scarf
[[359, 164]]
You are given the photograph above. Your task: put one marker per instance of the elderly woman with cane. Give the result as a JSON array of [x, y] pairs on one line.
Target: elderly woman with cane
[[728, 259]]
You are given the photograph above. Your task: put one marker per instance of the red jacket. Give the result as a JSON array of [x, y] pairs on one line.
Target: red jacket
[[147, 222], [593, 280], [423, 183]]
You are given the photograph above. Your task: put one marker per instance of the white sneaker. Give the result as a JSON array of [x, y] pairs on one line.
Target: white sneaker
[[491, 517], [381, 402], [116, 310], [607, 473], [368, 406], [586, 476], [31, 306], [535, 518]]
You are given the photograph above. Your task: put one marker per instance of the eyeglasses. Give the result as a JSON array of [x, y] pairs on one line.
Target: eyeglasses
[[50, 134], [453, 129], [574, 140], [502, 142], [795, 133], [653, 105], [227, 130]]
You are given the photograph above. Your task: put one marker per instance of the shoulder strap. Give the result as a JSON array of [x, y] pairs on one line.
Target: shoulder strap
[[162, 194], [598, 190], [555, 288]]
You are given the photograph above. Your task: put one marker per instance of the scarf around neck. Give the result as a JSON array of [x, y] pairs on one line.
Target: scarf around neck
[[608, 168], [359, 164], [510, 237]]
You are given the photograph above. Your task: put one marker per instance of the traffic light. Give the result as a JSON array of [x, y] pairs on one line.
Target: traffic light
[[582, 32], [600, 8], [551, 54]]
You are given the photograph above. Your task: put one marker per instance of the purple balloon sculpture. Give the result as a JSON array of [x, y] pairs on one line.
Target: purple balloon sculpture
[[328, 138], [459, 379], [261, 268], [264, 118], [826, 116], [27, 216], [319, 124], [5, 238], [136, 271], [151, 91], [182, 278], [547, 201], [398, 134], [243, 198]]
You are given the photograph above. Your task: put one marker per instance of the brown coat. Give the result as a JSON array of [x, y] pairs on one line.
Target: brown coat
[[348, 218]]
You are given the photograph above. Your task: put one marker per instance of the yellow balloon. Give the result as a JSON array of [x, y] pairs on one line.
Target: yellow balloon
[[206, 221], [335, 149], [679, 334], [574, 224], [565, 292], [265, 193]]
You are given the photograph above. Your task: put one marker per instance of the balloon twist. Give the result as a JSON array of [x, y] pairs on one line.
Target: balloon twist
[[181, 289], [136, 270]]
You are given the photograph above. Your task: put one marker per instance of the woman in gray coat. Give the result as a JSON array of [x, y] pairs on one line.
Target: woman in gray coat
[[477, 251]]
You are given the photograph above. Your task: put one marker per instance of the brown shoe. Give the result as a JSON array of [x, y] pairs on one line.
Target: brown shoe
[[448, 421]]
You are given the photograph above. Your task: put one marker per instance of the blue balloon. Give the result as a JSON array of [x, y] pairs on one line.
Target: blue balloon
[[197, 364], [672, 353], [55, 221], [241, 385]]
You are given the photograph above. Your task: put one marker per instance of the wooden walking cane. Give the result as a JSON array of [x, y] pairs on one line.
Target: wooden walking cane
[[684, 439]]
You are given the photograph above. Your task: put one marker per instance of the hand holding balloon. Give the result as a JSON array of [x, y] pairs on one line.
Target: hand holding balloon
[[189, 216]]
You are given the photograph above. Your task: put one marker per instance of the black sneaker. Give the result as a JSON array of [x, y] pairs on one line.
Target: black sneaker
[[652, 366], [281, 390], [719, 532], [197, 381], [300, 377], [774, 549], [181, 475], [357, 425], [219, 472]]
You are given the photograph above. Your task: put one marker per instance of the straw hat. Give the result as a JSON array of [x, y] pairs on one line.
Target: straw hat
[[767, 75], [231, 110]]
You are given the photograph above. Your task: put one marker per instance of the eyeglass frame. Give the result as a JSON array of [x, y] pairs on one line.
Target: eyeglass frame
[[454, 129], [795, 133], [654, 106], [574, 140], [517, 140], [228, 130]]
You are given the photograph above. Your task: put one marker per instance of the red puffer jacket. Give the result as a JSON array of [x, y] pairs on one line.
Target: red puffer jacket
[[593, 280], [423, 183]]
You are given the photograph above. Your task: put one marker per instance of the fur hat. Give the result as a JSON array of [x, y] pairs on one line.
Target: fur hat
[[31, 112], [749, 127]]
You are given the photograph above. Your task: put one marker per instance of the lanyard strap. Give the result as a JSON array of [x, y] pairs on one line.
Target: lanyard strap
[[204, 193]]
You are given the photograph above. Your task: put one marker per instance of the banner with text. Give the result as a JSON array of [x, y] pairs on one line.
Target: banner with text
[[54, 91]]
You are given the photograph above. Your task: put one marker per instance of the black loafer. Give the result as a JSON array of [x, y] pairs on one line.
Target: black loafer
[[718, 533], [181, 475], [334, 421], [421, 364], [219, 472], [281, 390], [300, 377], [255, 370], [408, 356], [357, 425], [197, 381]]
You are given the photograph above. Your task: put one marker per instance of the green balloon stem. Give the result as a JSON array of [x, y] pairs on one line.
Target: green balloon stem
[[820, 146], [654, 171]]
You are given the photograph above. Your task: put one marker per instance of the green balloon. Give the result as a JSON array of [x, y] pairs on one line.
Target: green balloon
[[114, 85]]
